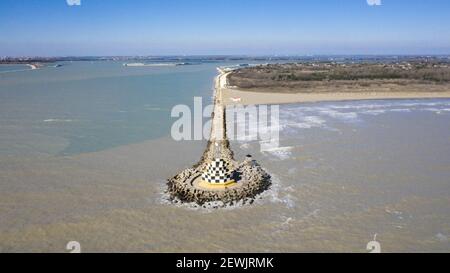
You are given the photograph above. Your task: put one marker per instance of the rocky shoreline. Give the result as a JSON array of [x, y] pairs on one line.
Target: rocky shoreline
[[253, 181]]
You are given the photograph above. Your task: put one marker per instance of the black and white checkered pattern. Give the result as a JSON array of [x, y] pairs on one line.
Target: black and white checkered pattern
[[217, 172]]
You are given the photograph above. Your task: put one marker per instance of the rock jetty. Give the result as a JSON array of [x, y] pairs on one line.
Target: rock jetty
[[250, 177]]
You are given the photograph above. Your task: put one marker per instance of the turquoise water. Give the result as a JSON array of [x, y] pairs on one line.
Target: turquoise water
[[10, 68], [91, 106]]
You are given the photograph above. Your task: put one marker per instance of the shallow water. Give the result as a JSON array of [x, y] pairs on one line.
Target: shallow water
[[344, 171], [92, 106], [355, 169]]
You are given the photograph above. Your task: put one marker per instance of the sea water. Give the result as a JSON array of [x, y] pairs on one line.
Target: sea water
[[91, 106], [85, 151], [352, 169]]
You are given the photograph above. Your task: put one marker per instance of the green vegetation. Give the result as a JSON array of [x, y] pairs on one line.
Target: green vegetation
[[298, 75]]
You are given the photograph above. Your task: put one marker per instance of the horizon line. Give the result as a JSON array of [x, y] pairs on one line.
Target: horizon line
[[223, 55]]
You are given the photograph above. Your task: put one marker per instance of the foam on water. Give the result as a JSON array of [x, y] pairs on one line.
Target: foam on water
[[295, 118], [343, 116], [278, 194], [280, 153], [307, 123], [57, 120], [323, 115]]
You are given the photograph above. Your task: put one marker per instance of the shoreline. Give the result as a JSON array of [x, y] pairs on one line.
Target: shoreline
[[232, 96], [250, 97]]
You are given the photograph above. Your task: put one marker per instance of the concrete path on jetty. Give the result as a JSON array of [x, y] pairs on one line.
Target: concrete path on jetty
[[218, 145], [218, 131]]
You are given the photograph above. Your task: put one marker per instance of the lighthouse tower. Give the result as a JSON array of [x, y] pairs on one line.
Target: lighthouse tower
[[218, 171]]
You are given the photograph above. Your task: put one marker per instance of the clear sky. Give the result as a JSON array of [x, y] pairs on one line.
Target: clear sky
[[256, 27]]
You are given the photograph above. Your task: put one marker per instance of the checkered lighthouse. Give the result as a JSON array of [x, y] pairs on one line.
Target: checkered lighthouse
[[218, 173]]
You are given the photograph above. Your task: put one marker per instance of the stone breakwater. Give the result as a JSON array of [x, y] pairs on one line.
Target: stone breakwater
[[250, 176], [253, 180]]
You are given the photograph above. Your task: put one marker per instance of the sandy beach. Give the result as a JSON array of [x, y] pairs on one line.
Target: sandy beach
[[247, 97], [233, 96]]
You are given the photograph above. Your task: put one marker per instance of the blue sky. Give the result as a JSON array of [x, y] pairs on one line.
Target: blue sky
[[256, 27]]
